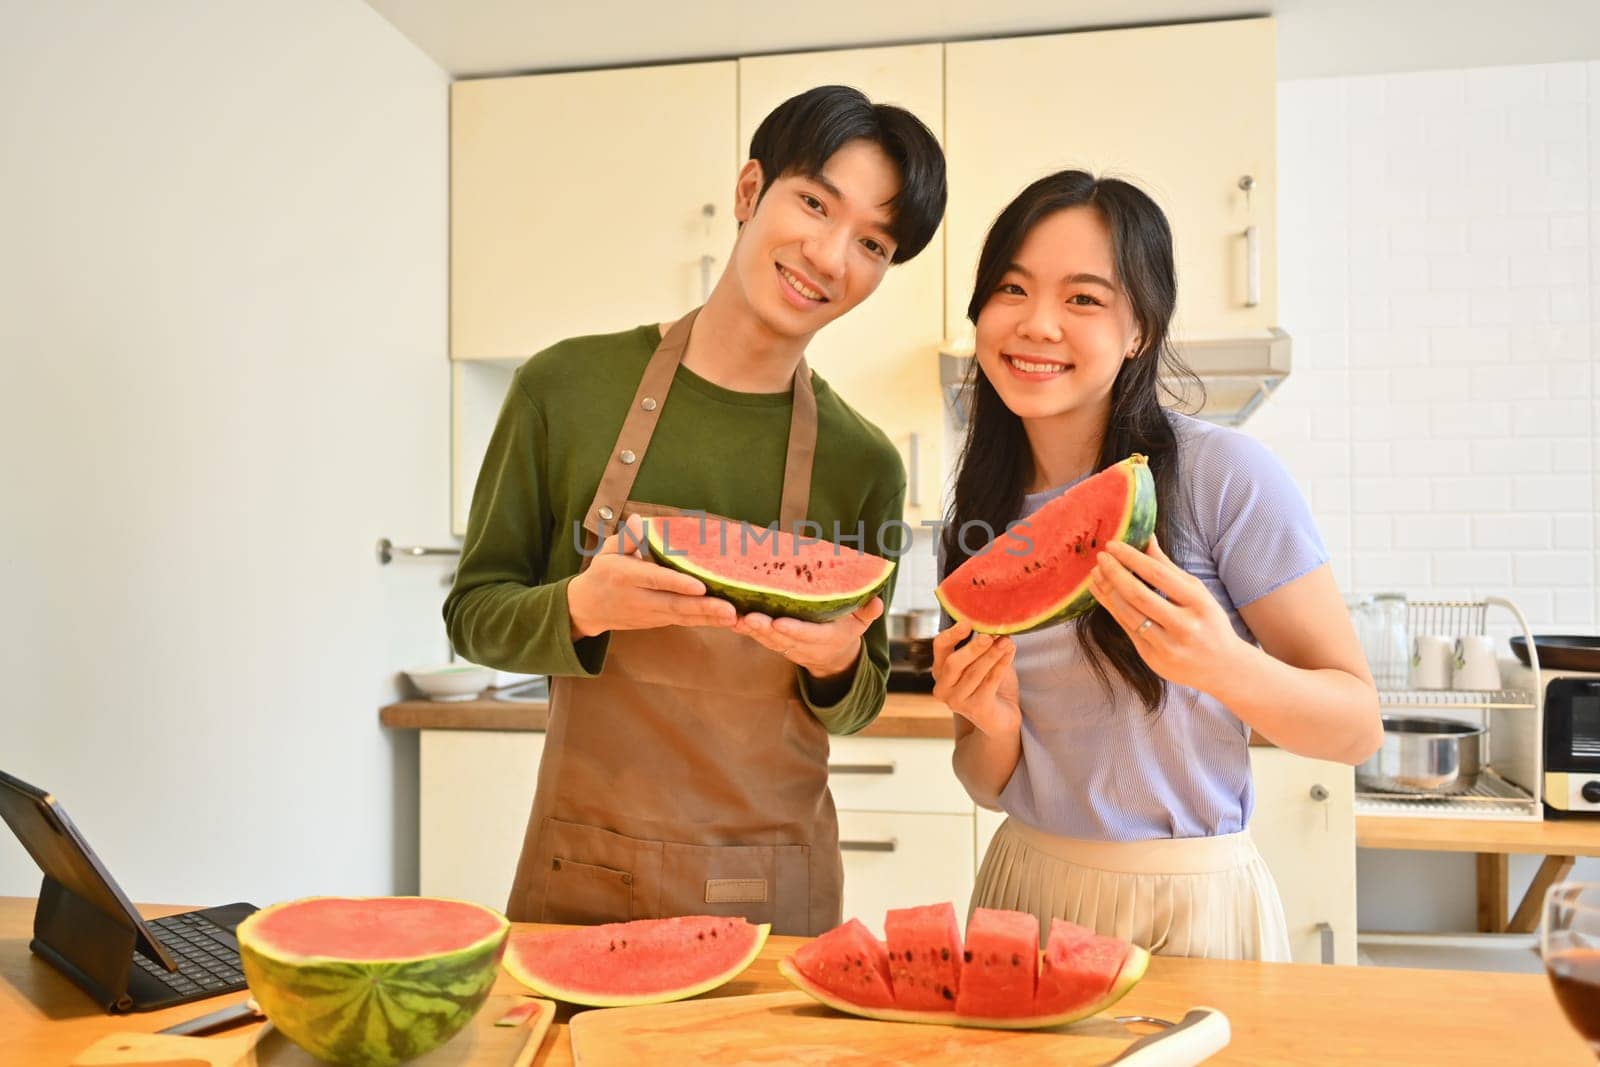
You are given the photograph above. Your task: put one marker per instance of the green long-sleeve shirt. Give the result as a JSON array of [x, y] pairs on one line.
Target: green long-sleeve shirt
[[713, 449]]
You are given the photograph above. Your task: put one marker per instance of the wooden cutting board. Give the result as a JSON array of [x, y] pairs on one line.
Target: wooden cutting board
[[793, 1028], [482, 1042]]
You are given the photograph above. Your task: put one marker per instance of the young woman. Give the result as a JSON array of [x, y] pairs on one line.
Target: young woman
[[1118, 745]]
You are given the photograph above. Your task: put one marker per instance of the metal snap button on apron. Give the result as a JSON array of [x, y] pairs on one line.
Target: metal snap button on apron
[[607, 514], [627, 456], [648, 403]]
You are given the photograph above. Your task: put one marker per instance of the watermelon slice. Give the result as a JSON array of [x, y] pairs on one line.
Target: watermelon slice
[[1079, 968], [647, 961], [849, 962], [1037, 575], [767, 571], [1000, 964], [372, 981], [1063, 992], [924, 956]]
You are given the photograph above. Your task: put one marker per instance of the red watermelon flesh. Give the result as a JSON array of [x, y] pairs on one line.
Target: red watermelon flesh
[[1038, 574], [1001, 963], [1079, 968], [849, 961], [767, 571], [647, 961], [924, 956]]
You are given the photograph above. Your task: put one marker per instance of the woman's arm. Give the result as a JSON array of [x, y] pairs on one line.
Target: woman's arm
[[978, 682], [1306, 689]]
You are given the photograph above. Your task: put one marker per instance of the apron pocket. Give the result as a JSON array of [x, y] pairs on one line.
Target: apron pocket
[[762, 883], [586, 894]]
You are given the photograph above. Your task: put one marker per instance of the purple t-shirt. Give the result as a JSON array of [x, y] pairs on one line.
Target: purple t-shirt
[[1115, 772]]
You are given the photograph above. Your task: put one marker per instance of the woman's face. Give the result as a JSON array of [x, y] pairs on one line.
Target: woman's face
[[1055, 330]]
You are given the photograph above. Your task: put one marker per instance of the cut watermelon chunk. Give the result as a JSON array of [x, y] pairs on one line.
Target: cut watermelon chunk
[[647, 961], [924, 957], [1079, 968], [1000, 964], [767, 571], [850, 962], [1038, 575]]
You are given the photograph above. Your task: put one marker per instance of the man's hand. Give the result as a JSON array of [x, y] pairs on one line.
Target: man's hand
[[621, 590], [826, 650]]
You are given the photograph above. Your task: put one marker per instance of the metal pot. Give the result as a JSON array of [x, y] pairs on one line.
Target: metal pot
[[1421, 754], [911, 625]]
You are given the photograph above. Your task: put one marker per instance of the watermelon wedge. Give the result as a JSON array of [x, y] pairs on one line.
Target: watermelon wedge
[[1083, 974], [924, 956], [767, 571], [371, 981], [647, 961], [1037, 574]]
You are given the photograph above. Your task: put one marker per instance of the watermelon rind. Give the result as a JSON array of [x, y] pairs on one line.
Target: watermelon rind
[[769, 600], [1132, 971], [589, 998], [373, 1012], [1137, 524]]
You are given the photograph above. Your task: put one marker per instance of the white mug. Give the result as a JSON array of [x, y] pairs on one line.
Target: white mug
[[1474, 665], [1430, 662]]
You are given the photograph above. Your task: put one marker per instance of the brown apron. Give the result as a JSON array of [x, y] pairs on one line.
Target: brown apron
[[688, 778]]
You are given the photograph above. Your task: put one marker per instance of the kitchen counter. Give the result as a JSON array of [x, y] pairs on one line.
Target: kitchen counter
[[903, 715], [1280, 1013]]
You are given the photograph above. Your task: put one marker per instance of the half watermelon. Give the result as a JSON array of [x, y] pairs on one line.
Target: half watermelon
[[647, 961], [372, 981], [1037, 574], [765, 570], [1008, 984]]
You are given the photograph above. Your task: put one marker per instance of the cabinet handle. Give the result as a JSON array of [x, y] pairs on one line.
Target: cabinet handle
[[1252, 269], [868, 846], [1326, 930], [706, 263], [861, 768], [1319, 793]]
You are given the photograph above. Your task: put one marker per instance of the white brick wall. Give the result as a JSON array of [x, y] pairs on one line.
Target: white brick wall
[[1463, 210]]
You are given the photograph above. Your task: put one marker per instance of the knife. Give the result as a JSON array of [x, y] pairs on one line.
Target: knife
[[246, 1011], [1197, 1036]]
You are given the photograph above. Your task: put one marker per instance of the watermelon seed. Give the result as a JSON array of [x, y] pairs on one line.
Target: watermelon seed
[[967, 956], [944, 954], [1016, 960], [701, 936], [947, 994]]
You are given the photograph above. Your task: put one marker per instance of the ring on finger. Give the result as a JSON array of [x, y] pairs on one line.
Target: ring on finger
[[1143, 626]]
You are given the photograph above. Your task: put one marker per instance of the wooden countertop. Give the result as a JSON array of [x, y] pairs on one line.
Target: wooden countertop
[[1558, 837], [903, 715], [1280, 1013]]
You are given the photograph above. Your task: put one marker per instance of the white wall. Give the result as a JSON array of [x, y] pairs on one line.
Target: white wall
[[222, 319], [1438, 242]]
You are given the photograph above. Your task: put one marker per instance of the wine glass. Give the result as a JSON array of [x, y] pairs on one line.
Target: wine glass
[[1570, 945]]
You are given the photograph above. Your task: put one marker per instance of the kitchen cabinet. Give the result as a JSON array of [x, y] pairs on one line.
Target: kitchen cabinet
[[1304, 826], [586, 202], [476, 792], [1183, 111], [882, 358], [905, 825]]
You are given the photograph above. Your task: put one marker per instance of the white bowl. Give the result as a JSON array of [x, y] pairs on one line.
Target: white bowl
[[451, 681]]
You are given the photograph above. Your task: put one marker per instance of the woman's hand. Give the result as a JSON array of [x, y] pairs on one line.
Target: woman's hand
[[978, 681], [825, 650], [1184, 635]]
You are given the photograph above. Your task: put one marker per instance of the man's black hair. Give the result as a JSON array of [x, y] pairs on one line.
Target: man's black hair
[[804, 132]]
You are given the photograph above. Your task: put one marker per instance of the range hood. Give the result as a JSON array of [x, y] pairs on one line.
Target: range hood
[[1238, 373]]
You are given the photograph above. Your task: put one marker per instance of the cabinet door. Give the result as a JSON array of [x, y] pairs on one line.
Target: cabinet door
[[883, 357], [476, 792], [1182, 111], [578, 201], [1304, 825], [899, 860]]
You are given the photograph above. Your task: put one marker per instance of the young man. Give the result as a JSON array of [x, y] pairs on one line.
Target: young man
[[685, 761]]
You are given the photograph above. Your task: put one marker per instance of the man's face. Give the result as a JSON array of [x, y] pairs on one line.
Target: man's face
[[814, 247]]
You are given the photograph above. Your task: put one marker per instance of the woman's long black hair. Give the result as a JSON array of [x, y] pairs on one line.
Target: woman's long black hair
[[996, 460]]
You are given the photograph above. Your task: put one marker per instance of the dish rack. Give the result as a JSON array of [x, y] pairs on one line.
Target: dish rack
[[1509, 786]]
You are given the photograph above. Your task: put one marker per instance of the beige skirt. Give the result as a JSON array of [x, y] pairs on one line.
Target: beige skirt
[[1211, 897]]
